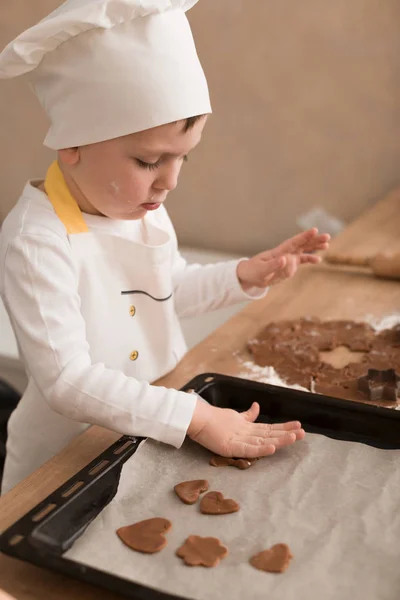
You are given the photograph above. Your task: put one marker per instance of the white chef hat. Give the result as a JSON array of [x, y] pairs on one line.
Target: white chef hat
[[106, 68]]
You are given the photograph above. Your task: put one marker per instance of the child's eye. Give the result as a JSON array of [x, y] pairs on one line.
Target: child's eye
[[147, 165], [152, 166]]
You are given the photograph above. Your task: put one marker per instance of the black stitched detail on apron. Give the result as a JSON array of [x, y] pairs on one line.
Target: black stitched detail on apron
[[146, 294]]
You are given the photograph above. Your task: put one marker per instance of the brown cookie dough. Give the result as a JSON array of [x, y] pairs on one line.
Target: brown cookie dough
[[189, 491], [199, 551], [239, 463], [274, 560], [293, 349], [146, 536], [214, 503]]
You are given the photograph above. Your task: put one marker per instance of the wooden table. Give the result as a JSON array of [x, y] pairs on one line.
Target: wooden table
[[322, 291]]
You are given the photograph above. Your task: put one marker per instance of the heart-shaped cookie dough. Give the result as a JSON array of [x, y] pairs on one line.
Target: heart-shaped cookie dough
[[146, 536], [189, 491], [239, 463], [274, 560], [214, 503], [207, 551]]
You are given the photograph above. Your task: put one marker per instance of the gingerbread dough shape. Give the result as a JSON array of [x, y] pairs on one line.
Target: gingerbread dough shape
[[274, 560], [214, 503], [146, 536], [189, 491], [202, 551], [239, 463]]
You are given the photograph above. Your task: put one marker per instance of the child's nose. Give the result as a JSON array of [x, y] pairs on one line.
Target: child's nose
[[168, 177]]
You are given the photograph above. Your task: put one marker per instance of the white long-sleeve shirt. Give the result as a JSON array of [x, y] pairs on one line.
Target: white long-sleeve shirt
[[67, 389]]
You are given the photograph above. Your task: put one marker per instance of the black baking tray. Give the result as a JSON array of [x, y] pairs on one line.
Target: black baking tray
[[45, 533]]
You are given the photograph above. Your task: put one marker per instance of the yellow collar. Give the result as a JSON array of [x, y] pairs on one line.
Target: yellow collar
[[65, 206]]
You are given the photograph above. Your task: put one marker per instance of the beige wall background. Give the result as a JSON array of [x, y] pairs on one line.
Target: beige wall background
[[306, 99]]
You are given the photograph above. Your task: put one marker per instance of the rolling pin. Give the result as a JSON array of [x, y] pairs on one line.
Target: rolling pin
[[382, 265]]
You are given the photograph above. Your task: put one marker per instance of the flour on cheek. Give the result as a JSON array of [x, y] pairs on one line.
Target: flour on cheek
[[115, 187]]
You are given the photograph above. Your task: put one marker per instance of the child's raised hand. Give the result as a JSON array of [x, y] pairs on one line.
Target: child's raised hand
[[233, 434], [282, 262]]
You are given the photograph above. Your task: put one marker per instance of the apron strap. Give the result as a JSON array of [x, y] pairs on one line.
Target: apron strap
[[65, 206]]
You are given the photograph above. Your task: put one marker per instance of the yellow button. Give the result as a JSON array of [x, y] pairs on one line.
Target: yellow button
[[132, 310], [134, 355]]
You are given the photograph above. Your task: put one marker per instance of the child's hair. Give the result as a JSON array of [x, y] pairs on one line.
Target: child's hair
[[190, 121]]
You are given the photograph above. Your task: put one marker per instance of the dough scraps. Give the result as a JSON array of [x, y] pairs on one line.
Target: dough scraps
[[293, 349], [239, 463]]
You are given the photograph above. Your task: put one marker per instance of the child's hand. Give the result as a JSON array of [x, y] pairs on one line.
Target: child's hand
[[229, 433], [273, 266], [5, 596]]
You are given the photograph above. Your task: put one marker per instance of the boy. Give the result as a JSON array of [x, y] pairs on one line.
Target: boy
[[90, 271]]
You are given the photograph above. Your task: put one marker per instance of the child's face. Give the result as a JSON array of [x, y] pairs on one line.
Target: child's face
[[125, 177]]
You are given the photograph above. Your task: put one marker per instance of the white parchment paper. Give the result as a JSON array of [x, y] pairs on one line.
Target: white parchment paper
[[336, 504]]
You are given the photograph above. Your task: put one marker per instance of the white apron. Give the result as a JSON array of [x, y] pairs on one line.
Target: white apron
[[131, 325]]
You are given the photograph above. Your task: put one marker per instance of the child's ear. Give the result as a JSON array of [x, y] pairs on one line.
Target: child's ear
[[69, 156]]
